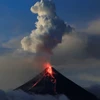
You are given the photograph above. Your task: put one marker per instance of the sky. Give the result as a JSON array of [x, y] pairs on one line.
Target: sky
[[17, 19], [77, 57]]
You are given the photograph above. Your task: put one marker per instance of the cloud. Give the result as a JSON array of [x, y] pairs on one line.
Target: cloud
[[49, 29], [20, 95], [77, 46], [14, 71], [44, 8], [73, 46], [93, 47], [94, 27], [90, 77], [12, 43], [4, 51], [16, 68]]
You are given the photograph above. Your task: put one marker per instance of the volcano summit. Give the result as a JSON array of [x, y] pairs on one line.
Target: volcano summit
[[44, 85]]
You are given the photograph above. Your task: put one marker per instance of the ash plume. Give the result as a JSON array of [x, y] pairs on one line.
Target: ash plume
[[49, 29]]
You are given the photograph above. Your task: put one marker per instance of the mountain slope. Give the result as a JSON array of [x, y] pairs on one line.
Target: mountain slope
[[43, 85]]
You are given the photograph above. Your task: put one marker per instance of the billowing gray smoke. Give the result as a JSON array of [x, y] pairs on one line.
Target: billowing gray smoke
[[20, 95], [49, 29]]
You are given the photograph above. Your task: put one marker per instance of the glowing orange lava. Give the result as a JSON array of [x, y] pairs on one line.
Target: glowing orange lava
[[48, 69], [48, 73]]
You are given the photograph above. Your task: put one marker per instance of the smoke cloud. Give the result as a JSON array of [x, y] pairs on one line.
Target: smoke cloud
[[93, 27], [20, 95], [49, 29]]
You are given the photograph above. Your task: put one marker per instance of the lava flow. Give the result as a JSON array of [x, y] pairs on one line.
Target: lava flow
[[48, 71], [47, 74]]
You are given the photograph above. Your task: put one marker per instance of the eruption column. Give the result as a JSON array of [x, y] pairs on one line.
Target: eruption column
[[47, 35]]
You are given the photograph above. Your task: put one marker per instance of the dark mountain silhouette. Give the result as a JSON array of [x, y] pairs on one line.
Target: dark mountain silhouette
[[43, 85], [95, 89]]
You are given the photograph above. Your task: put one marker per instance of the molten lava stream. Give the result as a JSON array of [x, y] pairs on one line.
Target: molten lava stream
[[49, 73], [49, 70]]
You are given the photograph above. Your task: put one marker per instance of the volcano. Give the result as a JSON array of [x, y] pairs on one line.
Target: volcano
[[43, 85]]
